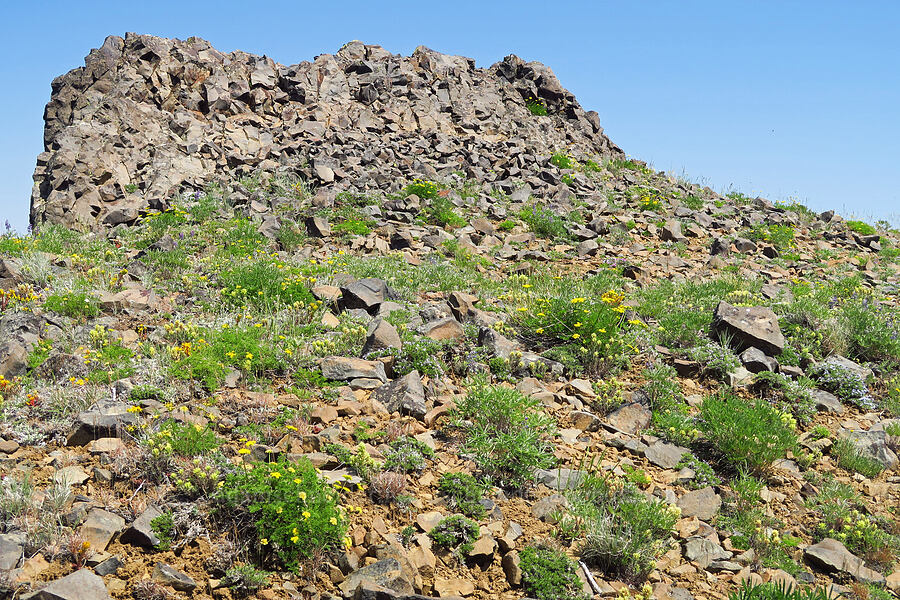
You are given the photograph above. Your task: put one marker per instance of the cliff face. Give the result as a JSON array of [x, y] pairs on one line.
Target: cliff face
[[147, 118]]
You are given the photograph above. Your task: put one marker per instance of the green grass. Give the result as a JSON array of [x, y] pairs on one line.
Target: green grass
[[860, 227], [850, 459]]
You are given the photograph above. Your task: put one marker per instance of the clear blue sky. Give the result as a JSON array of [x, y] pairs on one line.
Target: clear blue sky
[[777, 98]]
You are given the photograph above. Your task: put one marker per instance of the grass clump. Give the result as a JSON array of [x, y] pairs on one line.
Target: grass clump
[[442, 212], [245, 580], [544, 223], [266, 284], [407, 455], [549, 574], [463, 493], [507, 434], [294, 514], [860, 227], [424, 189], [842, 516], [848, 457], [778, 591], [457, 534], [780, 236], [591, 328], [536, 106], [73, 304], [748, 433], [619, 529]]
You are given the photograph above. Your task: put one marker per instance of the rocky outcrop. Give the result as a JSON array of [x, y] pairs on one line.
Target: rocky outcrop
[[148, 118]]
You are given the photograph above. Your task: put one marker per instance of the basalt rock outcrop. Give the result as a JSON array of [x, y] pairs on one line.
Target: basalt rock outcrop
[[148, 118]]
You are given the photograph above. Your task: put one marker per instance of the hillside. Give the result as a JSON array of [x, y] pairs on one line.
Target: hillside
[[384, 327]]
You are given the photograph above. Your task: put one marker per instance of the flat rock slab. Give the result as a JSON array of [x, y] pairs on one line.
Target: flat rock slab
[[80, 585], [703, 504], [345, 368], [832, 556], [100, 527]]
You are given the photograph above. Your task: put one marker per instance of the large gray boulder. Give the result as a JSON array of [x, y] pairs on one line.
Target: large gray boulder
[[749, 327]]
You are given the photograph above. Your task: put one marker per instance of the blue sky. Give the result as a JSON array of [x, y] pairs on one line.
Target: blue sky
[[776, 98]]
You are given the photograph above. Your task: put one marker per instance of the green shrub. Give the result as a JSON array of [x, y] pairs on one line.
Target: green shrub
[[848, 457], [183, 439], [506, 225], [266, 283], [780, 236], [294, 513], [507, 434], [704, 475], [549, 574], [457, 534], [244, 580], [544, 223], [407, 454], [747, 432], [163, 527], [561, 160], [73, 304], [536, 106], [590, 327], [463, 493], [442, 212], [618, 528], [861, 227], [213, 352], [353, 227], [424, 189]]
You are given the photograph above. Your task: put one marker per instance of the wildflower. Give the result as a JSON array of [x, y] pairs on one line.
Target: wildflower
[[539, 330], [244, 451], [306, 514], [302, 495], [333, 521], [295, 538], [575, 336], [275, 474]]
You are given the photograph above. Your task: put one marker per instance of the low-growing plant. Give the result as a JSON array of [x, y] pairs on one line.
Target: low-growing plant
[[590, 327], [507, 434], [843, 383], [779, 591], [163, 528], [788, 395], [442, 212], [424, 189], [536, 106], [463, 493], [842, 516], [849, 457], [780, 236], [73, 304], [860, 227], [294, 513], [748, 433], [245, 580], [387, 486], [617, 527], [716, 358], [456, 533], [407, 454], [549, 574], [561, 160], [544, 222], [704, 476]]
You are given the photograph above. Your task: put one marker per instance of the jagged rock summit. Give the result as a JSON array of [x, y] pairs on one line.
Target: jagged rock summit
[[147, 118]]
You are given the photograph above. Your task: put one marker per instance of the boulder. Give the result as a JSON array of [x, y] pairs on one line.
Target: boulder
[[832, 556], [405, 395], [749, 326]]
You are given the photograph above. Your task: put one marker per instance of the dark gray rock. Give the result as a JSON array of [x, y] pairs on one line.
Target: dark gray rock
[[140, 533], [755, 361], [381, 335], [405, 395], [345, 368], [99, 422], [749, 326], [166, 575]]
